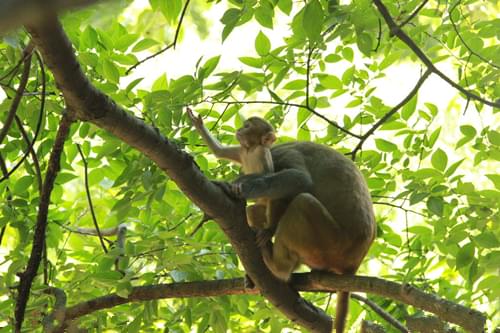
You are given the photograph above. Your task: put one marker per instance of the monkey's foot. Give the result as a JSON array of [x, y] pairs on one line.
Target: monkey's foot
[[248, 283]]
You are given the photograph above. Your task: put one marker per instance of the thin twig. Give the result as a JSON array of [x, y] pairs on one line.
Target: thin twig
[[39, 123], [395, 30], [26, 53], [19, 94], [397, 206], [5, 172], [319, 115], [168, 47], [471, 51], [308, 74], [389, 114], [34, 157], [89, 197], [381, 312], [415, 12], [27, 277]]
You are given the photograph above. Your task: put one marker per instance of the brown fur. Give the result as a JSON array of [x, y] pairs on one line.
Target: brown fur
[[321, 211]]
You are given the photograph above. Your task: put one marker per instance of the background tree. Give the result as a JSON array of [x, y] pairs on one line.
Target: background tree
[[101, 210]]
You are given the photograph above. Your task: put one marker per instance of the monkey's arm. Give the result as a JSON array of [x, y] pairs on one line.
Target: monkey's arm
[[226, 152], [282, 184]]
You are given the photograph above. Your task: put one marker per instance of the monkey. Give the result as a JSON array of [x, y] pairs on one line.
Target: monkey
[[321, 213], [319, 210], [254, 154]]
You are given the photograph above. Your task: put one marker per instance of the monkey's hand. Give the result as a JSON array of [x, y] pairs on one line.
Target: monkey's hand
[[264, 237], [249, 186], [196, 121]]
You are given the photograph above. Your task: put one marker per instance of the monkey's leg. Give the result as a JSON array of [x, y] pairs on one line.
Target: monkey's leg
[[256, 216], [309, 230], [280, 261]]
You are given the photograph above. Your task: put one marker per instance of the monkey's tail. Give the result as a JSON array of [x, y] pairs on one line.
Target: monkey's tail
[[341, 311]]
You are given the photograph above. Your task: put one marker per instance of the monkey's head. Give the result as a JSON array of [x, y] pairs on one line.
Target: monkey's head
[[256, 131]]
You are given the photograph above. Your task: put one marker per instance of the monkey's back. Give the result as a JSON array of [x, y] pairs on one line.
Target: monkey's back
[[337, 184]]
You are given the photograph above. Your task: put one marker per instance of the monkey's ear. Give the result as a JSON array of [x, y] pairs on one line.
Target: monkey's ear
[[268, 139]]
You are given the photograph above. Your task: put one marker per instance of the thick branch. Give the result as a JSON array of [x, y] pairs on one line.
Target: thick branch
[[59, 311], [472, 320], [92, 105], [27, 277], [14, 13], [397, 31]]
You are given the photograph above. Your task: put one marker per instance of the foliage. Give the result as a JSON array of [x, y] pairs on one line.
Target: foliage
[[434, 179]]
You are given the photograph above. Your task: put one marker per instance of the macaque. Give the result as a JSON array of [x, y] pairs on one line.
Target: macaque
[[254, 154], [319, 208], [321, 213]]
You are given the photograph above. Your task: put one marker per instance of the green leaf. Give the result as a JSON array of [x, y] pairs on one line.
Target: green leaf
[[409, 108], [312, 21], [22, 184], [487, 239], [427, 173], [385, 145], [88, 39], [468, 131], [295, 85], [330, 81], [285, 6], [451, 170], [439, 159], [209, 66], [144, 44], [111, 71], [333, 58], [262, 44], [230, 19], [364, 42], [348, 54], [465, 255], [170, 9], [495, 178], [494, 137], [124, 42], [355, 102], [252, 62], [435, 205], [264, 16]]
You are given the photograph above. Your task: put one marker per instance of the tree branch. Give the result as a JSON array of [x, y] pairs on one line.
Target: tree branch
[[390, 113], [397, 31], [470, 319], [92, 105], [14, 13], [19, 93], [412, 16], [319, 115], [89, 198], [471, 51], [59, 311], [38, 126], [27, 277], [381, 312]]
